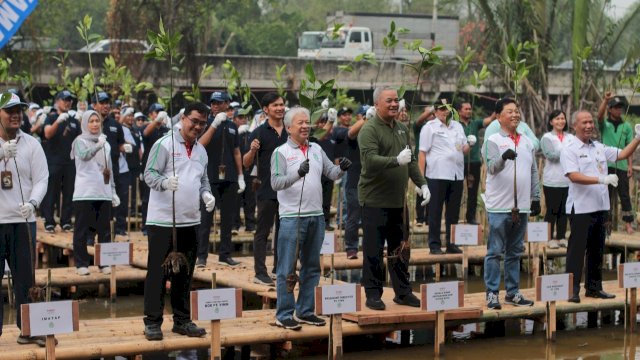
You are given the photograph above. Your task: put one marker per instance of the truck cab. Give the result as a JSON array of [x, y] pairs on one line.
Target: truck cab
[[348, 43], [309, 44]]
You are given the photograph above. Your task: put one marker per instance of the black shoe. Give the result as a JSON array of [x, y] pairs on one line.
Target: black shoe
[[407, 300], [493, 302], [290, 324], [310, 320], [436, 251], [228, 261], [453, 249], [51, 229], [121, 233], [38, 340], [329, 228], [574, 299], [375, 304], [599, 294], [153, 332], [190, 329], [250, 229], [67, 227], [201, 263], [263, 279]]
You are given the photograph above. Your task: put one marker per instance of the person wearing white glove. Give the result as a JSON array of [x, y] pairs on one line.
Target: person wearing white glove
[[115, 200], [102, 139], [584, 162], [472, 160], [62, 118], [27, 209], [332, 115], [243, 129], [325, 103], [209, 201], [404, 157], [241, 184], [9, 149], [402, 104], [218, 119], [371, 112], [471, 140], [425, 194], [170, 184]]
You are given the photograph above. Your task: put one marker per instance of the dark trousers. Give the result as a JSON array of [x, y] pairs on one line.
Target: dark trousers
[[623, 193], [248, 201], [135, 178], [354, 216], [14, 247], [61, 179], [327, 192], [473, 169], [588, 232], [122, 189], [92, 217], [226, 194], [443, 192], [381, 225], [556, 198], [160, 245], [422, 212], [144, 198], [267, 215]]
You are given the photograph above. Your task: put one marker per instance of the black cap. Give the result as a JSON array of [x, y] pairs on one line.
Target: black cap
[[101, 96], [344, 110], [65, 94], [156, 107], [617, 101]]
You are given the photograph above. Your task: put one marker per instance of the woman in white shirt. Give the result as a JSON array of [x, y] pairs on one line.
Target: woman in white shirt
[[555, 184]]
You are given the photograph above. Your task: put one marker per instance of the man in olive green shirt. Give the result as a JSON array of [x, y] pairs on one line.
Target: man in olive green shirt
[[472, 162], [616, 132], [387, 164]]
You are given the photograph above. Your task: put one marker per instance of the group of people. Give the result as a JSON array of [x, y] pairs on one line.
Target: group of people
[[204, 156]]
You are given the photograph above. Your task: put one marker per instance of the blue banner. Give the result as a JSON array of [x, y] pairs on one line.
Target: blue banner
[[12, 15]]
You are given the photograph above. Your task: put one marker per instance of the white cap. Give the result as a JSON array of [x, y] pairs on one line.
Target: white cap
[[33, 106], [15, 100]]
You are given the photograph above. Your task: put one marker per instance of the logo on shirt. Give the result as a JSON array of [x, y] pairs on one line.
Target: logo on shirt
[[73, 125], [232, 131], [113, 129]]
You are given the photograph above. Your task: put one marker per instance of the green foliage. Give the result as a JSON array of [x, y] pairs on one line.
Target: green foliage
[[515, 62], [429, 59], [313, 90], [6, 96], [194, 94], [165, 47], [279, 82], [5, 64]]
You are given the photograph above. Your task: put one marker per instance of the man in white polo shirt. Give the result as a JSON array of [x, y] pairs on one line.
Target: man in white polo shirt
[[443, 146], [584, 162], [512, 195]]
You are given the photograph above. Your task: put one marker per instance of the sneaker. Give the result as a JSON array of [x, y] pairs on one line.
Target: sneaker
[[329, 228], [228, 261], [200, 263], [518, 300], [453, 249], [234, 231], [263, 279], [419, 224], [250, 229], [563, 243], [436, 251], [38, 340], [553, 244], [375, 304], [407, 300], [290, 324], [273, 275], [190, 329], [51, 229], [352, 254], [493, 302], [310, 320], [153, 332], [121, 233], [106, 270], [82, 271], [67, 227]]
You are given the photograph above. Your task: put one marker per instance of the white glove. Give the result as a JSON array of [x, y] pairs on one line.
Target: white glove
[[426, 195], [115, 200], [404, 157], [128, 148], [370, 113], [402, 104], [102, 139], [325, 103], [611, 179], [170, 183], [9, 149], [243, 129], [218, 120], [332, 115], [241, 184], [338, 182], [472, 140], [26, 210], [63, 117], [209, 201], [161, 116], [637, 129]]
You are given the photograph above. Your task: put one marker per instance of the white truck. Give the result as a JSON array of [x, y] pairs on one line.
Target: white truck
[[364, 33]]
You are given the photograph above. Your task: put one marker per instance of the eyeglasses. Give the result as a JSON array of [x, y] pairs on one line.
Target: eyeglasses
[[196, 122]]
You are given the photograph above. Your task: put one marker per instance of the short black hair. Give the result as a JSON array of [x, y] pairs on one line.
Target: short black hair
[[554, 114], [500, 104], [462, 102], [269, 98], [197, 107]]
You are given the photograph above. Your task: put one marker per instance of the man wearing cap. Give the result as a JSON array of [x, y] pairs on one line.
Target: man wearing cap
[[225, 174], [22, 189], [584, 162], [152, 131], [129, 168], [60, 130], [443, 145], [617, 133], [248, 197]]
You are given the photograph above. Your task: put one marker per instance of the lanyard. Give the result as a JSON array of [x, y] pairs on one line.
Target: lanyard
[[516, 139], [304, 149], [560, 136], [189, 148]]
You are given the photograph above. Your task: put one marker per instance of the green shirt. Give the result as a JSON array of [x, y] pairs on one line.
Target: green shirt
[[472, 129], [619, 137], [383, 183]]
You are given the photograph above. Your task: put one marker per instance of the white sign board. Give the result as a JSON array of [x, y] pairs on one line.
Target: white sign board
[[629, 275], [465, 234], [441, 296], [538, 232], [49, 318], [554, 287], [215, 304], [337, 299], [328, 244], [115, 253]]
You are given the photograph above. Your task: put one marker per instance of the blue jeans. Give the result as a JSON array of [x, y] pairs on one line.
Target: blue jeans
[[505, 239], [311, 236]]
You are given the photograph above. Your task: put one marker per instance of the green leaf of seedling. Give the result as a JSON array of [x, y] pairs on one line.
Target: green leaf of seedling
[[345, 68], [311, 75]]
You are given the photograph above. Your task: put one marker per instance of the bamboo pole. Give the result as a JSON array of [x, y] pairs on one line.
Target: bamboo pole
[[336, 338], [551, 320], [216, 352], [112, 284], [633, 309]]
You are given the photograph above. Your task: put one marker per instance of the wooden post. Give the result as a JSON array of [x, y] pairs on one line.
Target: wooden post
[[551, 320], [50, 345], [437, 272], [216, 353], [633, 309], [465, 263], [536, 261], [323, 271], [337, 336], [10, 288], [112, 284], [439, 332]]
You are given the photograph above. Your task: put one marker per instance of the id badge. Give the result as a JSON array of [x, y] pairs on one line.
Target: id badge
[[221, 172], [106, 176], [7, 180]]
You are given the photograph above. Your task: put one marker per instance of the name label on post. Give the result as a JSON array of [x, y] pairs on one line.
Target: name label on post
[[328, 244], [629, 275], [442, 295], [115, 253], [465, 234], [337, 299], [49, 318], [538, 232], [556, 287], [216, 304]]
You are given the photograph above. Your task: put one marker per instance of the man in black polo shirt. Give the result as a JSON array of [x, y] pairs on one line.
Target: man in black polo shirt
[[264, 140], [248, 197], [60, 130], [224, 170]]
